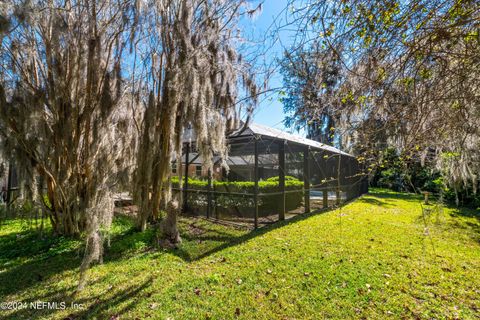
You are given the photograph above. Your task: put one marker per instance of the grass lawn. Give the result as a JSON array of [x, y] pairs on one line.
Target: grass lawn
[[372, 258]]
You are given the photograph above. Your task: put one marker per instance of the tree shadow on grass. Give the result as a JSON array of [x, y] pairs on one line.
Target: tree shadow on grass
[[467, 219], [202, 238], [129, 243], [102, 303], [99, 305], [226, 240], [218, 242], [393, 195], [388, 199], [376, 202], [25, 244], [466, 212], [27, 261], [449, 217]]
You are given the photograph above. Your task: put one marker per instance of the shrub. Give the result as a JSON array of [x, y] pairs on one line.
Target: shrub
[[287, 178], [238, 197]]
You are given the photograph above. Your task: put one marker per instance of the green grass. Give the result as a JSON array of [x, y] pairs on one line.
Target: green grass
[[373, 258]]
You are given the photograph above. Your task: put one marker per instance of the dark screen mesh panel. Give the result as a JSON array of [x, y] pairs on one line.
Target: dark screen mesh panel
[[314, 179]]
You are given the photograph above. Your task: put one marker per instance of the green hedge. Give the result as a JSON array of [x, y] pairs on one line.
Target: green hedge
[[239, 201], [287, 178]]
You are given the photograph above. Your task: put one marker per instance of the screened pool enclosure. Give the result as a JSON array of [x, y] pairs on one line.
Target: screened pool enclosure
[[273, 175]]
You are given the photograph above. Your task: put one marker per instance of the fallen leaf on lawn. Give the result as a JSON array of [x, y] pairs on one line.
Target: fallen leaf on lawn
[[306, 274], [153, 306], [239, 281], [269, 271], [197, 291], [386, 275], [237, 312]]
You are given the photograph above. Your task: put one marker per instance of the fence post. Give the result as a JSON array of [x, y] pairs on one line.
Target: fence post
[[281, 178], [185, 184], [209, 193], [255, 190], [340, 180], [325, 198], [306, 179]]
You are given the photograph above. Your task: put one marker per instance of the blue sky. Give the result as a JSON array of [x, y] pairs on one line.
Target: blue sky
[[270, 110]]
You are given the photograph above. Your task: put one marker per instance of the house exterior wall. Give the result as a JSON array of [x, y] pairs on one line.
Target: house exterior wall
[[201, 172]]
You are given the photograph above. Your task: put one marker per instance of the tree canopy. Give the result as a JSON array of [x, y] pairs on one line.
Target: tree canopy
[[95, 96], [406, 76]]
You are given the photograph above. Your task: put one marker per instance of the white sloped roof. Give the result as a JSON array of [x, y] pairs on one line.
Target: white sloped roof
[[258, 129]]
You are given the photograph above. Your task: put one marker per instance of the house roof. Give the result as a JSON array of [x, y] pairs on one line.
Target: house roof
[[197, 159], [255, 129]]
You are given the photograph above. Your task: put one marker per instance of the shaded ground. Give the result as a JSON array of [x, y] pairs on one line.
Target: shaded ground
[[376, 257]]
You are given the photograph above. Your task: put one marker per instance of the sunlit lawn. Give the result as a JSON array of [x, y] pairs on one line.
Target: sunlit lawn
[[373, 258]]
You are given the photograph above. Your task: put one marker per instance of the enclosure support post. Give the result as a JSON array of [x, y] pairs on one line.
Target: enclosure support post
[[281, 179], [325, 198], [339, 180], [185, 184], [306, 179], [209, 194], [255, 176]]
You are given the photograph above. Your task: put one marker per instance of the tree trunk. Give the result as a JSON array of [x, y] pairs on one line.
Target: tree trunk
[[169, 235]]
